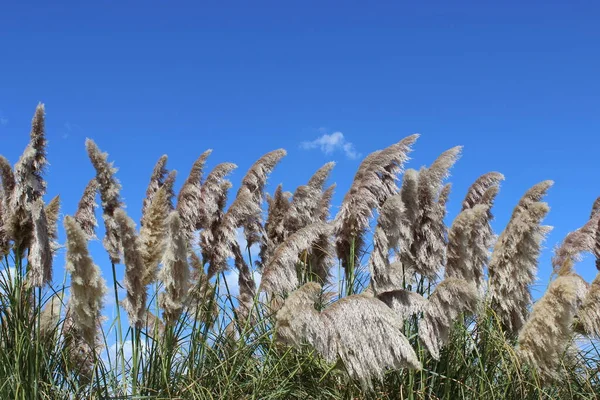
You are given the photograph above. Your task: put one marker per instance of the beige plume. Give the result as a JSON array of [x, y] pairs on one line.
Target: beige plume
[[175, 274], [513, 264], [135, 301], [87, 285], [373, 183], [364, 333], [547, 333], [110, 189]]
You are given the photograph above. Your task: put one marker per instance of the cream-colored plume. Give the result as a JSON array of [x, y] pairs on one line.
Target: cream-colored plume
[[110, 189], [364, 333]]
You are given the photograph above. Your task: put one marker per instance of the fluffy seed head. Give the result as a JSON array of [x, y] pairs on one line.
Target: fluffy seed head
[[451, 298], [280, 274], [153, 234], [86, 210], [513, 264], [254, 181], [157, 179], [135, 301], [110, 189], [189, 196], [362, 331], [478, 189], [547, 333], [40, 253], [87, 285], [175, 273], [373, 183]]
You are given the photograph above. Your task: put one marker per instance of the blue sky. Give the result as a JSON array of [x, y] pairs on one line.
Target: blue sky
[[514, 82]]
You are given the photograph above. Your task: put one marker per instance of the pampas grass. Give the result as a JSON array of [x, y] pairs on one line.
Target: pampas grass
[[451, 298], [40, 253], [189, 196], [380, 325], [85, 214], [513, 264], [88, 288], [254, 182], [547, 333], [362, 331], [153, 234], [175, 273], [373, 183], [281, 274], [110, 189], [135, 302]]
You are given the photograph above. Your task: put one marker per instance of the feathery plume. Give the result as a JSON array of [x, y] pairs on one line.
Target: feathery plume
[[373, 183], [242, 209], [87, 285], [157, 180], [321, 257], [135, 301], [50, 316], [201, 290], [175, 273], [153, 233], [535, 194], [7, 175], [168, 185], [210, 194], [595, 208], [410, 200], [325, 203], [404, 302], [450, 298], [208, 236], [246, 284], [4, 240], [319, 178], [304, 207], [547, 333], [52, 215], [37, 140], [109, 188], [189, 196], [80, 354], [576, 242], [362, 331], [85, 214], [589, 313], [468, 245], [513, 264], [27, 185], [478, 189], [280, 274], [40, 254], [386, 236], [429, 230], [254, 181], [275, 232]]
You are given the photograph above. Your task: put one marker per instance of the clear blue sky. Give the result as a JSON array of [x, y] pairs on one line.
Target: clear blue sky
[[515, 82]]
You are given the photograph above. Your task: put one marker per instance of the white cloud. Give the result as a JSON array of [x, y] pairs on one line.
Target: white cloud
[[3, 120], [328, 143]]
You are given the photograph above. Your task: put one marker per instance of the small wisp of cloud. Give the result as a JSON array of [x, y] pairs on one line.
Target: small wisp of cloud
[[329, 143], [3, 120]]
